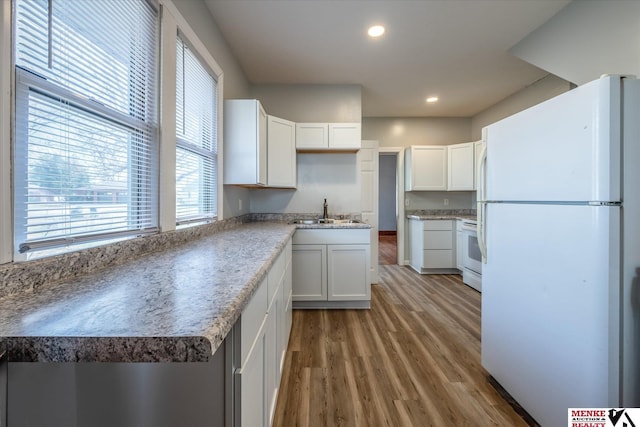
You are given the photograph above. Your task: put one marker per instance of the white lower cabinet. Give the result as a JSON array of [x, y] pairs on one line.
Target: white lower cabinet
[[331, 268], [310, 272], [433, 246], [265, 326], [347, 276], [253, 386]]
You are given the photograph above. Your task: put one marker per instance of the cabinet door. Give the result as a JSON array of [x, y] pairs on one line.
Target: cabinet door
[[427, 168], [345, 136], [262, 146], [312, 136], [272, 359], [281, 153], [416, 243], [348, 272], [253, 402], [245, 132], [309, 272], [461, 167]]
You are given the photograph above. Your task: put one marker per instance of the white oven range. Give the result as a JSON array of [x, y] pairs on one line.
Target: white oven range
[[471, 255]]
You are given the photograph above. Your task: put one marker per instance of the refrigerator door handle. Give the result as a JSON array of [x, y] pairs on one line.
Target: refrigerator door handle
[[481, 196]]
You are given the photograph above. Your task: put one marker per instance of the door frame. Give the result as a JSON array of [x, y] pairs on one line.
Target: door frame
[[400, 222]]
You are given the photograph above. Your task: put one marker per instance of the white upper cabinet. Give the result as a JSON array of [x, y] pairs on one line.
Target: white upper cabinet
[[461, 167], [345, 136], [312, 136], [245, 148], [328, 136], [426, 168], [281, 153]]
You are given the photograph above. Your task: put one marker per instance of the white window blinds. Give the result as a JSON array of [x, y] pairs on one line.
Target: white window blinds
[[196, 138], [86, 121]]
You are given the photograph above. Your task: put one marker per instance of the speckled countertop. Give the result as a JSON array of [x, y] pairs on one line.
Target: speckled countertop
[[172, 306], [441, 214], [425, 217]]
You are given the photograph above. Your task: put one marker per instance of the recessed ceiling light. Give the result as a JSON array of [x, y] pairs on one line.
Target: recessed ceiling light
[[432, 99], [376, 31]]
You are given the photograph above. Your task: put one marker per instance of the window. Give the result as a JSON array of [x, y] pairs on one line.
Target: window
[[196, 137], [86, 122]]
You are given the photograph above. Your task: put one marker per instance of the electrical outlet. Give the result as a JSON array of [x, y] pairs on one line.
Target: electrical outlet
[[240, 204], [407, 202], [446, 202]]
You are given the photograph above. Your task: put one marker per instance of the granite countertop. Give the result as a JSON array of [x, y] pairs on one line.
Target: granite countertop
[[172, 306], [330, 226], [441, 216]]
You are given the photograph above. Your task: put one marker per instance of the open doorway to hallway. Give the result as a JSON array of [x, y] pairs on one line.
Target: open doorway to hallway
[[388, 208]]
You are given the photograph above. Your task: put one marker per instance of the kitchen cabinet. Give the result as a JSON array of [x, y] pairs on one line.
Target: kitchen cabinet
[[331, 268], [432, 246], [460, 167], [328, 136], [426, 168], [281, 153], [265, 326], [477, 146], [245, 148]]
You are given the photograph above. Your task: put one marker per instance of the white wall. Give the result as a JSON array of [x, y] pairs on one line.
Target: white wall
[[406, 131], [236, 84], [311, 103], [540, 91], [436, 200], [331, 176], [585, 40]]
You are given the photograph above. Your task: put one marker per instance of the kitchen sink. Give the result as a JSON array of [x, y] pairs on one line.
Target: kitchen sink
[[326, 221]]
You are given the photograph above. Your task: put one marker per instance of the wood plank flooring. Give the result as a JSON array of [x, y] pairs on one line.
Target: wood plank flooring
[[412, 360], [387, 249]]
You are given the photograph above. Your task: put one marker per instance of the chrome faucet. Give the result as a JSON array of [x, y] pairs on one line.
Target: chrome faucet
[[325, 214]]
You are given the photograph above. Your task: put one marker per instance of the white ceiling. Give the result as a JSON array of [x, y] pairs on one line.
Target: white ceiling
[[455, 49]]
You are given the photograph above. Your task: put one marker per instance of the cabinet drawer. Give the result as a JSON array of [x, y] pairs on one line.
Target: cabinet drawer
[[440, 224], [252, 319], [337, 236], [438, 239], [438, 258]]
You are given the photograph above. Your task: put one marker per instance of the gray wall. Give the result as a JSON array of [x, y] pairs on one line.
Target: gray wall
[[236, 84], [387, 192], [540, 91], [331, 176], [403, 132], [585, 40], [311, 103]]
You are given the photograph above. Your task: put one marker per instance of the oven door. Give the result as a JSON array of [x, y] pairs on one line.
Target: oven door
[[472, 257]]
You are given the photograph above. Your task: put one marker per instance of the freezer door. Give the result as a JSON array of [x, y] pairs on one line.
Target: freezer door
[[565, 149], [550, 306]]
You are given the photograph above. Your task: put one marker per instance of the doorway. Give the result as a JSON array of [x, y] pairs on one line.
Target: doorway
[[387, 215], [390, 206]]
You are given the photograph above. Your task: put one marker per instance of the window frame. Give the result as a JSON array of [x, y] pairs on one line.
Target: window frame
[[171, 21], [172, 24], [6, 111], [185, 144], [24, 83]]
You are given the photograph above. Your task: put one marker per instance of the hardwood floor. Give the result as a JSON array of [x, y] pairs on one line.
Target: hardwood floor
[[412, 360], [387, 249]]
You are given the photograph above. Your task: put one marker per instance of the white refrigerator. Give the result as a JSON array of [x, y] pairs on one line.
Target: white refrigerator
[[559, 225]]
